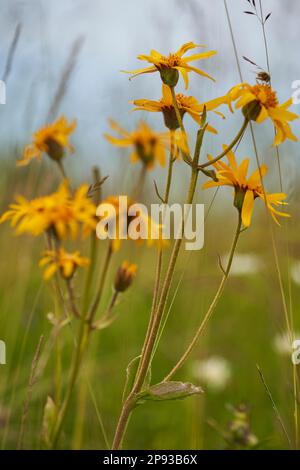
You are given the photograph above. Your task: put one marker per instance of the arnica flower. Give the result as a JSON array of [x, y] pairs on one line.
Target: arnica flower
[[247, 189], [148, 146], [66, 263], [60, 213], [124, 277], [170, 66], [115, 214], [260, 102], [52, 139], [186, 104]]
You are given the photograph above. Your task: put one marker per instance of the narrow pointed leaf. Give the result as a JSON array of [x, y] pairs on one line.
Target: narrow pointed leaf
[[169, 391]]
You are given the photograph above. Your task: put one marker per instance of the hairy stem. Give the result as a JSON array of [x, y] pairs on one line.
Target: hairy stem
[[81, 344], [211, 308], [158, 312], [230, 146]]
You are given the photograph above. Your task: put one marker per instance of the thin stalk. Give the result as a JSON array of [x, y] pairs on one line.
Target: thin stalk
[[97, 196], [72, 299], [212, 306], [90, 272], [177, 112], [81, 344], [230, 146], [160, 253], [137, 193], [62, 169], [288, 323], [147, 352], [93, 309]]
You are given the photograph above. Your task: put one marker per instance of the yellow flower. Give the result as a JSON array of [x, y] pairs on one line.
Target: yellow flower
[[247, 189], [61, 213], [148, 145], [260, 102], [186, 104], [52, 139], [67, 263], [117, 214], [170, 66], [124, 276]]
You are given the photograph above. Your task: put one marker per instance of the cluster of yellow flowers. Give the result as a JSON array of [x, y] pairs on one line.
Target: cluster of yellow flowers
[[65, 212], [72, 213], [60, 213]]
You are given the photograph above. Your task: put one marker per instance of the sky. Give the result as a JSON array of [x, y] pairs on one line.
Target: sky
[[112, 33]]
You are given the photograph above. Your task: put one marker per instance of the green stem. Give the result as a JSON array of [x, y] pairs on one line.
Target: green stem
[[211, 308], [93, 309], [177, 112], [62, 169], [81, 344], [230, 146], [187, 157], [158, 312], [160, 253]]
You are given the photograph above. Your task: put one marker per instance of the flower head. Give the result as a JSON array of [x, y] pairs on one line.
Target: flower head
[[170, 66], [125, 276], [66, 263], [186, 104], [247, 189], [148, 146], [60, 212], [52, 139], [259, 102]]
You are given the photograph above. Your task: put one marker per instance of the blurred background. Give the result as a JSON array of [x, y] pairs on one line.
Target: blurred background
[[65, 58]]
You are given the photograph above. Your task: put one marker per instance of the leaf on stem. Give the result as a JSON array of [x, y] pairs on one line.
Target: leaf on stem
[[168, 391]]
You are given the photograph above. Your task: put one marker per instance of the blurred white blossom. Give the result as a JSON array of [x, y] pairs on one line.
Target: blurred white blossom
[[244, 264], [214, 371], [295, 272], [283, 342]]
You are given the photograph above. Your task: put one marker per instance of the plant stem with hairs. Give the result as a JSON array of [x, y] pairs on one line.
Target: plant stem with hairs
[[157, 313], [160, 253], [212, 306], [229, 147], [81, 345]]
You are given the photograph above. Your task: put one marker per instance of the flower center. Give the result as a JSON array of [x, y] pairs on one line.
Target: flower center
[[173, 60], [265, 95]]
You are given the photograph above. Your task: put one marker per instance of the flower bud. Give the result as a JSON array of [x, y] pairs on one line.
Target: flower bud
[[239, 198], [169, 75], [54, 149], [252, 110], [124, 276], [170, 118]]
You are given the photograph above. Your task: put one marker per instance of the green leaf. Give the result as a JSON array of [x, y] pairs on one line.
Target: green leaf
[[131, 371], [168, 391]]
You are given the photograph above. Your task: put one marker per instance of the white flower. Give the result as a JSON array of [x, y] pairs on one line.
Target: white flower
[[283, 342], [244, 264], [295, 272], [214, 371]]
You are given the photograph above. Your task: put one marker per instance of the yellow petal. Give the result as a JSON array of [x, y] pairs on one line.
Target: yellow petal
[[247, 208]]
